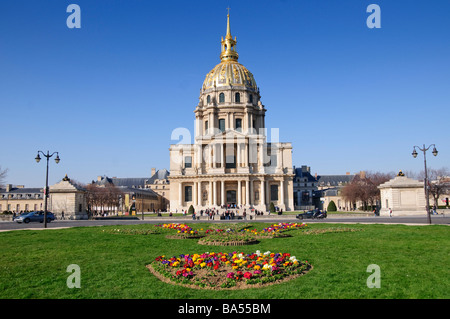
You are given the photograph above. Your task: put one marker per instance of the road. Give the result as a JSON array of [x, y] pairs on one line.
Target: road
[[408, 220]]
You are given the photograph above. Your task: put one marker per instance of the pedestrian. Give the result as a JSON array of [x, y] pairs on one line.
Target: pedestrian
[[62, 215], [390, 212]]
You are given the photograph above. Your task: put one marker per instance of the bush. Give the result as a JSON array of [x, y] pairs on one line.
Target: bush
[[332, 207], [272, 207], [191, 210]]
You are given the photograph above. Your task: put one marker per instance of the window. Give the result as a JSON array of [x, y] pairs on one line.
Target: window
[[208, 99], [237, 98], [250, 98], [230, 161], [206, 125], [222, 125], [188, 193], [273, 192], [238, 124], [187, 161], [221, 98]]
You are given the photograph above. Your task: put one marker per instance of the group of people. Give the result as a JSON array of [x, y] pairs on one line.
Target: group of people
[[228, 212]]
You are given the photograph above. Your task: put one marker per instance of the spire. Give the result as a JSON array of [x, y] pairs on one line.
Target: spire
[[228, 36], [229, 45]]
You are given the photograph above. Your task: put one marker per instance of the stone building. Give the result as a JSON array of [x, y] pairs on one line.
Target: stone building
[[19, 198], [230, 162], [405, 196], [68, 197], [142, 194]]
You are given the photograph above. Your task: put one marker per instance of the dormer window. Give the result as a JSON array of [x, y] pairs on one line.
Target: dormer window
[[208, 99], [221, 98], [237, 98]]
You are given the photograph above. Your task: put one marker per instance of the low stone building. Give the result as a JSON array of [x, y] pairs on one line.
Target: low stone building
[[405, 196], [69, 198]]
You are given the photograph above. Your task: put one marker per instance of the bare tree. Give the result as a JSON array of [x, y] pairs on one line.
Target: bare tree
[[364, 188], [438, 182], [3, 174]]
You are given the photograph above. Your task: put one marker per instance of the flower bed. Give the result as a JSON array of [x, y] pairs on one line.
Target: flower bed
[[228, 270], [276, 230], [227, 239], [183, 231], [132, 231]]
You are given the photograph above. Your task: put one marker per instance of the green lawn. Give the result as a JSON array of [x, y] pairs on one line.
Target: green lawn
[[413, 261]]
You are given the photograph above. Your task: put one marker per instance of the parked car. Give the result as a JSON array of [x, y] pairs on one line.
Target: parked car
[[34, 217]]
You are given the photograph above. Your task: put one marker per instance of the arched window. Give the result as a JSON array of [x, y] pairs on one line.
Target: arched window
[[208, 99], [221, 98], [237, 98]]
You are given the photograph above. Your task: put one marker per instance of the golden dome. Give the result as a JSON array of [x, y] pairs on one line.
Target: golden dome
[[229, 71]]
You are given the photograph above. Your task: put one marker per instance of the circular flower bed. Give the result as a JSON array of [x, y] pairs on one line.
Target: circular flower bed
[[183, 231], [228, 270], [227, 239], [276, 230], [132, 231]]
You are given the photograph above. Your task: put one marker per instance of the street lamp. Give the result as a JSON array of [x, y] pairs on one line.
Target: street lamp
[[38, 159], [425, 182]]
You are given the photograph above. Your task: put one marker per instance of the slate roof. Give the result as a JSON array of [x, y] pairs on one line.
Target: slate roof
[[135, 181], [334, 180], [299, 172], [21, 193]]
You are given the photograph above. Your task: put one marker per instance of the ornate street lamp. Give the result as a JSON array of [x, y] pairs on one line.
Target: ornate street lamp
[[425, 182], [38, 159]]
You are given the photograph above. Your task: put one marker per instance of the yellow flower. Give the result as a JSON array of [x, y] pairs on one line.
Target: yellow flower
[[188, 269], [202, 265], [235, 267], [257, 267]]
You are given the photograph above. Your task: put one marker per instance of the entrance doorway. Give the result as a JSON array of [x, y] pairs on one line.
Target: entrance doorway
[[231, 197]]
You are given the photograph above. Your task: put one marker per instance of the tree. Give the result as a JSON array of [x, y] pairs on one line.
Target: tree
[[331, 207], [3, 174], [438, 182], [364, 188]]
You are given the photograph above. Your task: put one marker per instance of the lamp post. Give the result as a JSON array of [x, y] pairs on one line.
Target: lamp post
[[425, 182], [38, 158]]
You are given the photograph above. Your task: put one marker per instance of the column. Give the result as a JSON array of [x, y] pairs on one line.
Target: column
[[180, 194], [262, 200], [247, 193], [268, 199], [210, 194], [222, 191], [215, 192], [239, 193], [238, 155], [282, 192], [199, 193], [194, 195], [222, 164]]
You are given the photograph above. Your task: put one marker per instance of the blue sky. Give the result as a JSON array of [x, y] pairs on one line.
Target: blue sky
[[108, 95]]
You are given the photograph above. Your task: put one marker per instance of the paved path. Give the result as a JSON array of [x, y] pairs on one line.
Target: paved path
[[58, 224]]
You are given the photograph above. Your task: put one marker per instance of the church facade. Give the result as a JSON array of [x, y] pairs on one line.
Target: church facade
[[230, 162]]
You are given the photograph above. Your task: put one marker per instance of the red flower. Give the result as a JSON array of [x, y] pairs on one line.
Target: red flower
[[248, 275]]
